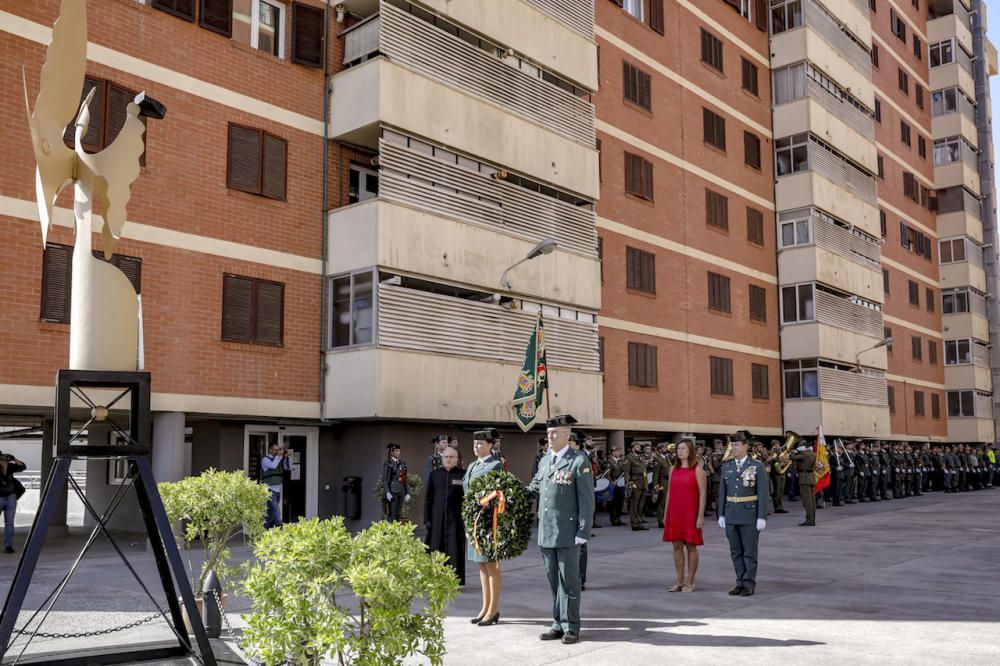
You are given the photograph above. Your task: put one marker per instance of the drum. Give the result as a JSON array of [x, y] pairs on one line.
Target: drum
[[649, 478], [621, 481], [602, 490]]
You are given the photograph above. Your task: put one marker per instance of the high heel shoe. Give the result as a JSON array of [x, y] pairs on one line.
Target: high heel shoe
[[491, 620], [476, 620]]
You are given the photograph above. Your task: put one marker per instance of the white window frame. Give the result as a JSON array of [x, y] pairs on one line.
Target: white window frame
[[255, 24], [353, 314], [785, 7], [800, 317], [955, 294], [792, 143], [799, 223], [311, 453], [939, 47], [363, 182], [801, 371], [634, 7], [948, 394], [950, 243], [952, 350]]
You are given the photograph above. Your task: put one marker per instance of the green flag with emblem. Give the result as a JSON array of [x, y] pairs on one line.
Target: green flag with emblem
[[532, 381]]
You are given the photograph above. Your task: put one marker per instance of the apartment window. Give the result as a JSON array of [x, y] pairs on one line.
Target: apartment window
[[759, 384], [258, 24], [935, 406], [715, 129], [638, 176], [871, 6], [716, 210], [257, 162], [637, 86], [915, 241], [961, 403], [949, 150], [107, 116], [922, 147], [904, 133], [352, 317], [887, 333], [718, 293], [952, 250], [932, 352], [788, 83], [882, 223], [875, 56], [904, 82], [785, 15], [791, 154], [633, 7], [897, 25], [57, 279], [941, 53], [721, 375], [751, 149], [918, 403], [929, 299], [363, 184], [944, 101], [917, 48], [755, 226], [918, 95], [642, 365], [881, 168], [640, 269], [914, 293], [916, 348], [798, 303], [954, 302], [758, 303], [794, 232], [891, 395], [911, 189], [749, 71], [252, 310], [958, 352], [801, 379], [878, 110], [711, 50], [600, 256], [885, 281]]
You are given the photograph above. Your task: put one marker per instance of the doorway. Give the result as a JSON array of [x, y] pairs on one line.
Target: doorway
[[299, 488]]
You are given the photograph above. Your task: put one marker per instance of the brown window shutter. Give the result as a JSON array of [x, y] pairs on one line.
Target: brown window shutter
[[308, 26], [132, 268], [93, 140], [118, 101], [244, 172], [57, 279], [268, 309], [647, 178], [650, 365], [656, 15], [217, 16], [180, 8], [633, 364], [760, 10], [274, 167], [237, 308], [620, 3]]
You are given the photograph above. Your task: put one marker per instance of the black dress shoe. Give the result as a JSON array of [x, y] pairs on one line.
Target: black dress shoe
[[807, 524], [551, 635], [8, 549], [747, 591], [781, 511], [736, 591], [476, 620], [490, 620], [583, 586], [570, 637]]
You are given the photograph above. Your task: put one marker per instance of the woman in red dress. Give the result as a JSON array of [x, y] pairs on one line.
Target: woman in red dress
[[685, 514]]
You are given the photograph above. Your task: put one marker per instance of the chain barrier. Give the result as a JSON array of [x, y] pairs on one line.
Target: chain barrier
[[92, 634], [232, 632]]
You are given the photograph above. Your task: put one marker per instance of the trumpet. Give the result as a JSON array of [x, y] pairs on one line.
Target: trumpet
[[792, 440], [728, 455]]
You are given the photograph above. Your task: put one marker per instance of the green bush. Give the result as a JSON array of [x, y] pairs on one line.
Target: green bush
[[372, 599], [213, 508]]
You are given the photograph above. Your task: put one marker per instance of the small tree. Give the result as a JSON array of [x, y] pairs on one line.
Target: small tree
[[213, 508], [398, 592]]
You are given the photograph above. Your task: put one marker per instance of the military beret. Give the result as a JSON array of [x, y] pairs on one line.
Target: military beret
[[486, 435], [561, 421]]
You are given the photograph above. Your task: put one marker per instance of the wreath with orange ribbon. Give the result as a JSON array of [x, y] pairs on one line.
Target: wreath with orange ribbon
[[497, 515]]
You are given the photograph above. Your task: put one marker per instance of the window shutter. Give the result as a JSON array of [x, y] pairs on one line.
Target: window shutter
[[656, 15], [647, 179], [633, 364], [118, 101], [57, 278], [244, 159], [620, 3], [180, 8], [132, 268], [308, 26], [760, 9], [93, 140], [649, 271], [650, 365], [275, 167], [217, 16], [237, 308], [268, 313]]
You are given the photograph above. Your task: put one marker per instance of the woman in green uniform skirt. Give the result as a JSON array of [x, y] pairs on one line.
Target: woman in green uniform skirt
[[489, 570]]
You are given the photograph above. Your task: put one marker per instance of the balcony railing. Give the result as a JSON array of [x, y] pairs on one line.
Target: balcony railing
[[848, 244], [411, 41], [836, 35], [452, 185], [853, 387], [851, 115], [439, 324], [825, 162], [843, 313], [577, 14]]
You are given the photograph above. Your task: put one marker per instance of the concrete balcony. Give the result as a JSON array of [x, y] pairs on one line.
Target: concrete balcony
[[964, 173], [437, 357], [960, 223], [966, 325], [971, 429], [837, 122], [811, 189], [953, 74], [821, 339], [849, 405], [972, 375], [953, 25], [961, 122], [816, 263], [963, 274]]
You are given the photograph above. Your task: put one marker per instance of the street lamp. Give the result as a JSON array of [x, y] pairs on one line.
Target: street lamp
[[545, 247], [881, 343]]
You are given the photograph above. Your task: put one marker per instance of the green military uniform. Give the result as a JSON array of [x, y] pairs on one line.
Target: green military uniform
[[805, 465], [635, 479], [616, 467], [565, 492], [715, 458], [661, 477]]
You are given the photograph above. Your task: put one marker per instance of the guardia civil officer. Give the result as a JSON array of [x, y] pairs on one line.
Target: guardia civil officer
[[394, 482], [489, 569], [743, 495], [565, 506]]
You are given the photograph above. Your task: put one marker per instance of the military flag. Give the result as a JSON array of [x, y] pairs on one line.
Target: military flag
[[822, 468], [532, 381]]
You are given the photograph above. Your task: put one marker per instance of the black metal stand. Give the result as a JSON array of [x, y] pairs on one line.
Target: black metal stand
[[135, 448]]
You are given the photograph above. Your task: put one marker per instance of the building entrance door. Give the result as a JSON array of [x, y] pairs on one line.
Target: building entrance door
[[299, 488]]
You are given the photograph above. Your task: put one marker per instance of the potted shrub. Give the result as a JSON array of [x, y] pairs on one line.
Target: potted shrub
[[371, 600]]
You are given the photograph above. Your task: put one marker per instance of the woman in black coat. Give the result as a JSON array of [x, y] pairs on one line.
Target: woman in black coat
[[443, 512]]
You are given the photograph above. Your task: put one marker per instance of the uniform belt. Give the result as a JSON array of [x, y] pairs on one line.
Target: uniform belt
[[752, 498]]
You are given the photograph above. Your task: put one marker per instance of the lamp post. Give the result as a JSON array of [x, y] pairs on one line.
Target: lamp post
[[881, 343], [544, 247]]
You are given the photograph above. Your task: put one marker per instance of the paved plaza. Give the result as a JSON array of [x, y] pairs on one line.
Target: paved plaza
[[910, 581]]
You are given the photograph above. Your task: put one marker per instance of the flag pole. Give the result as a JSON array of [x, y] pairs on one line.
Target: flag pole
[[548, 405]]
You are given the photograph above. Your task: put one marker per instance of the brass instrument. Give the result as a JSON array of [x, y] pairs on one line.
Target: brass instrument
[[728, 455], [792, 440]]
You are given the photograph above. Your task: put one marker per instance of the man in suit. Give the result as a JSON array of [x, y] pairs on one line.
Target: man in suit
[[805, 465], [565, 492], [394, 482], [743, 493]]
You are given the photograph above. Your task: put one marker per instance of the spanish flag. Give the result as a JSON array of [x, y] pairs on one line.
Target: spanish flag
[[822, 468]]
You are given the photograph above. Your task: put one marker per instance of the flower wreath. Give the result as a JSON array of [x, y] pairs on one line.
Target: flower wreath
[[497, 515]]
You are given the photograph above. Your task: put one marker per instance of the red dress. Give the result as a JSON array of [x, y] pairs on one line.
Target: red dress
[[682, 508]]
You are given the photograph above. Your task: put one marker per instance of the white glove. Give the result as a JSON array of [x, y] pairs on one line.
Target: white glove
[[761, 524], [388, 496], [407, 499], [578, 541], [722, 522]]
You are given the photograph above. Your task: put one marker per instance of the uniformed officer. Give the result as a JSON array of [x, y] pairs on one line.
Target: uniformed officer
[[616, 473], [440, 443], [566, 503], [864, 470], [885, 471], [848, 473], [805, 464], [635, 488], [779, 478], [743, 508], [715, 465], [394, 482], [661, 477], [577, 442]]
